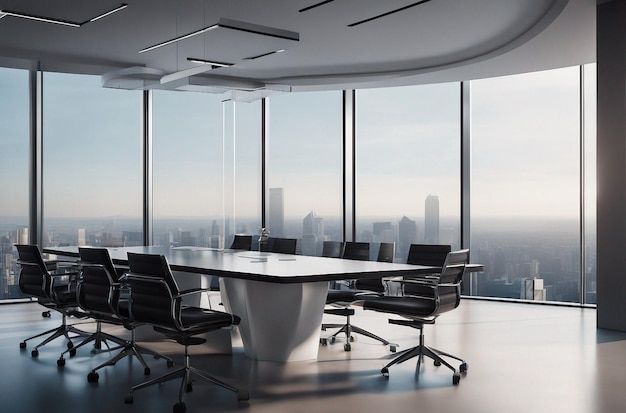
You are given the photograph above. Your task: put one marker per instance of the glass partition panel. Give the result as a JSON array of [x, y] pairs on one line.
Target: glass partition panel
[[304, 158], [188, 164], [92, 163], [526, 186], [14, 162], [408, 166]]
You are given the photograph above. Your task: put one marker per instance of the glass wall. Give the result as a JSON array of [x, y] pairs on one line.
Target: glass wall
[[304, 172], [14, 161], [407, 166], [92, 163], [525, 189], [188, 164], [526, 200]]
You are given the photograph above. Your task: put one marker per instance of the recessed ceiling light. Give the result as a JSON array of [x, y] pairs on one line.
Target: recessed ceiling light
[[408, 6], [208, 62], [232, 25], [4, 13]]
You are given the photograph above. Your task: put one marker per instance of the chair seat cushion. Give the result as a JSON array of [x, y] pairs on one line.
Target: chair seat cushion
[[406, 306], [341, 296]]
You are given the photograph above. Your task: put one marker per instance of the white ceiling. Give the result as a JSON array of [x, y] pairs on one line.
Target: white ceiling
[[438, 40]]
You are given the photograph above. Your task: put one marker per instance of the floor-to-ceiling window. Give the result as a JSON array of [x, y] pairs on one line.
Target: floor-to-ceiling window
[[304, 158], [92, 162], [14, 161], [525, 189], [188, 164], [590, 177], [407, 166]]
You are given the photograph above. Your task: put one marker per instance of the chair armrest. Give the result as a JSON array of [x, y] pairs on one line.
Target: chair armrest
[[191, 291]]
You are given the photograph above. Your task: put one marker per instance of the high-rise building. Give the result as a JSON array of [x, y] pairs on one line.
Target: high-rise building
[[431, 220], [82, 237], [312, 234], [407, 235], [276, 224], [383, 232], [21, 237]]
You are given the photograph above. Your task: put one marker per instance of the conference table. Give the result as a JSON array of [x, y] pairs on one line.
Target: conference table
[[280, 298]]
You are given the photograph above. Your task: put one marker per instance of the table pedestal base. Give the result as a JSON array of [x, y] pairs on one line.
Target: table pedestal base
[[279, 322]]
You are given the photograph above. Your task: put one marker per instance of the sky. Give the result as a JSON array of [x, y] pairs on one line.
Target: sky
[[524, 149]]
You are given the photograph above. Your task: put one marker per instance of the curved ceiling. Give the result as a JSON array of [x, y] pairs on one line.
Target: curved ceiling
[[326, 43]]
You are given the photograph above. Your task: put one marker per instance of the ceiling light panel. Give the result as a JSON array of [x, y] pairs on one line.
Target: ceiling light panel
[[72, 16], [227, 41]]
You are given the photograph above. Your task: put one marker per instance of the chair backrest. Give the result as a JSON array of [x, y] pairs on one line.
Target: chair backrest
[[34, 278], [153, 288], [332, 249], [428, 254], [448, 289], [356, 251], [97, 291], [283, 245], [386, 252], [101, 256], [241, 242], [454, 267]]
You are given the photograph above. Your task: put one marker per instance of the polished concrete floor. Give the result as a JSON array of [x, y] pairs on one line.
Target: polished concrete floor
[[522, 358]]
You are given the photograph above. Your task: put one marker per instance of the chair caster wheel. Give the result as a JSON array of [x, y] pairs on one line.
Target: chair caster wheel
[[393, 348], [170, 363], [437, 363], [93, 377], [456, 378], [352, 339], [129, 399], [146, 371], [45, 314], [189, 388], [179, 407], [463, 368], [34, 353], [243, 395], [385, 372], [61, 362], [347, 347], [23, 345], [324, 341], [72, 352], [332, 340], [69, 344]]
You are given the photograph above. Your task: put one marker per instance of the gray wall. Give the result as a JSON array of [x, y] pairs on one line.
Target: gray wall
[[611, 157]]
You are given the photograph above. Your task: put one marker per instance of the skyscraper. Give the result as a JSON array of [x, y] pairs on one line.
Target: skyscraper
[[431, 220], [407, 235], [276, 224], [312, 234]]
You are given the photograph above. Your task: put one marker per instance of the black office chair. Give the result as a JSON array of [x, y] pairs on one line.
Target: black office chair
[[283, 245], [342, 298], [241, 242], [100, 293], [155, 299], [433, 255], [54, 288], [386, 253], [422, 302], [332, 249]]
